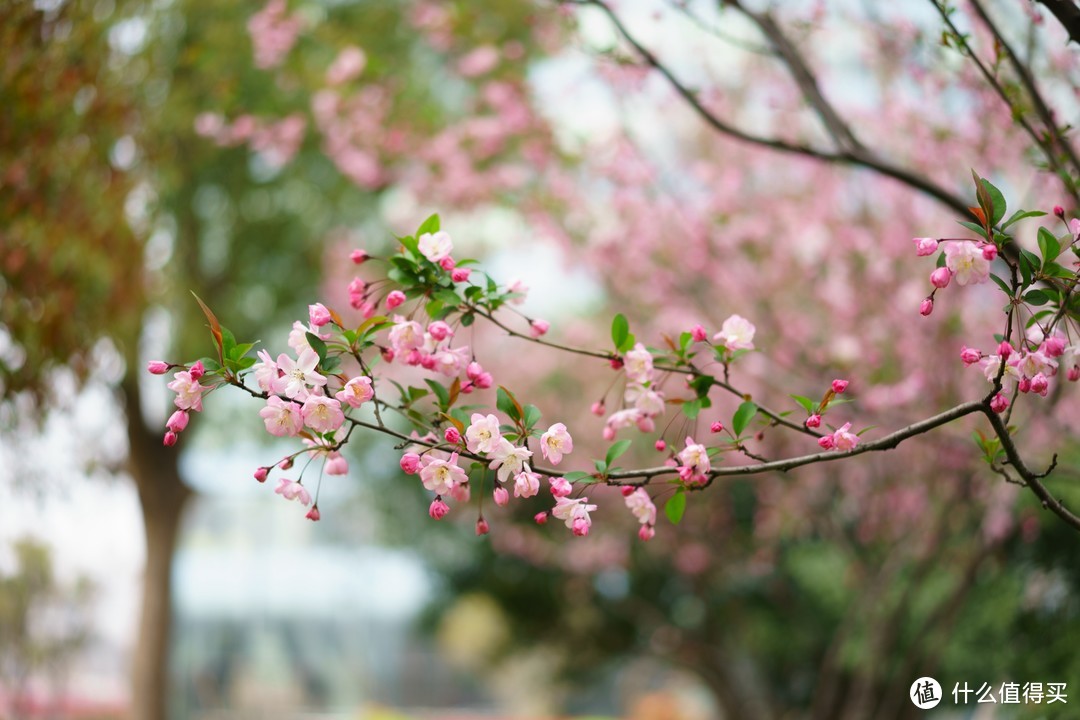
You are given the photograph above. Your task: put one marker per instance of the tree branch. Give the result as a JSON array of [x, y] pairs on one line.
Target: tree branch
[[1068, 14]]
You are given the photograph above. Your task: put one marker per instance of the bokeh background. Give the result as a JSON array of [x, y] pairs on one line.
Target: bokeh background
[[240, 151]]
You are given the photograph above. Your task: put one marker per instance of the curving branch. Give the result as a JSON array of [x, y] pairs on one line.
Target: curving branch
[[1068, 14]]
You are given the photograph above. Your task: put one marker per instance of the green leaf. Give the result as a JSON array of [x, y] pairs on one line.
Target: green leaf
[[1026, 268], [997, 202], [228, 341], [448, 296], [1020, 215], [431, 225], [807, 404], [1054, 270], [692, 408], [240, 351], [576, 476], [532, 416], [1048, 246], [328, 365], [973, 227], [940, 260], [616, 450], [628, 344], [416, 393], [410, 244], [743, 416], [1001, 284], [684, 340], [440, 392], [467, 319], [1036, 297], [601, 466], [317, 345], [505, 402], [620, 330], [675, 507]]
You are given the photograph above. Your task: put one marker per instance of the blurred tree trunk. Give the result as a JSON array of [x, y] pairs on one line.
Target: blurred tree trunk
[[162, 497]]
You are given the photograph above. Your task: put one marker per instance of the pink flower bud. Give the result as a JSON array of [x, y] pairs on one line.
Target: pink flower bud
[[716, 427], [561, 487], [313, 514], [1074, 373], [197, 370], [989, 252], [501, 496], [438, 509], [646, 424], [627, 490], [261, 473], [1025, 384], [1005, 349], [367, 310], [597, 408], [388, 355], [177, 421], [318, 314], [609, 433], [170, 439], [1059, 211], [940, 277], [285, 464], [460, 274], [1054, 346], [414, 357], [452, 435], [410, 463], [540, 518], [394, 299], [660, 446], [538, 327], [427, 361], [1040, 384], [827, 442], [839, 386], [970, 356], [813, 421], [698, 334], [482, 527], [580, 527], [646, 532], [616, 363], [157, 367], [999, 403], [439, 330], [926, 307], [447, 263], [925, 246], [358, 256], [473, 371], [484, 381]]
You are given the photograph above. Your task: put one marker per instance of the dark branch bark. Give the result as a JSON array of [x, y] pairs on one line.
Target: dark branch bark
[[1068, 14]]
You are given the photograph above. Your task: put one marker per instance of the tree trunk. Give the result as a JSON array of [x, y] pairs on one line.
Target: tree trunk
[[162, 497]]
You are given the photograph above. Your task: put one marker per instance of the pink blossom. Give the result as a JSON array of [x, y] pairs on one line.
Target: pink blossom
[[439, 330], [991, 366], [646, 532], [967, 263], [540, 518], [695, 457], [1024, 385], [716, 427], [555, 443], [406, 335], [639, 364], [460, 274], [298, 374], [827, 442], [970, 356], [336, 464], [814, 421], [737, 333], [482, 527], [940, 277], [357, 291], [394, 299], [266, 372], [597, 408], [999, 403], [282, 417], [452, 435], [1074, 373], [322, 414], [1074, 228], [356, 392], [526, 484], [841, 440], [641, 505], [197, 370], [500, 496], [660, 446], [698, 334], [450, 361], [447, 264], [508, 459], [157, 367], [188, 391], [839, 386], [177, 421], [989, 252], [560, 487], [313, 514], [410, 463], [538, 327], [293, 490], [272, 34], [482, 435], [441, 476], [1040, 384], [649, 402], [359, 256], [575, 513], [261, 473], [435, 246], [479, 61], [1059, 211], [1005, 349], [519, 289], [1054, 346], [438, 509], [170, 439], [925, 246], [926, 306], [319, 315], [347, 66]]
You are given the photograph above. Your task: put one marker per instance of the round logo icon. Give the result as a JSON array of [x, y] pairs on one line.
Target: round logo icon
[[925, 693]]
